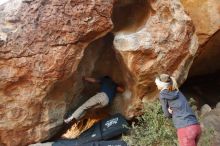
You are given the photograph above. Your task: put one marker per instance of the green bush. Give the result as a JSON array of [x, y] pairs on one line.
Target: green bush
[[153, 129]]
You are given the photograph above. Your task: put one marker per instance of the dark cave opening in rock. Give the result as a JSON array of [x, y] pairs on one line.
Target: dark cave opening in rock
[[204, 89], [101, 58], [107, 64], [130, 15], [203, 81]]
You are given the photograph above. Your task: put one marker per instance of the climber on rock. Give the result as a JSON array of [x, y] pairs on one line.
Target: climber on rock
[[108, 89]]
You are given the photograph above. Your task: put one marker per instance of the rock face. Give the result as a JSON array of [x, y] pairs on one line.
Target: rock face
[[206, 18], [163, 43], [205, 15], [42, 45], [47, 46], [211, 120]]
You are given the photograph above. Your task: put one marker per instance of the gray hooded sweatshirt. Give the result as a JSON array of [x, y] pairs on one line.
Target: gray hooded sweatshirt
[[182, 115]]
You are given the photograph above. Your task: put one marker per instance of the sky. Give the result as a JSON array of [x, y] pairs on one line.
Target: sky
[[3, 1]]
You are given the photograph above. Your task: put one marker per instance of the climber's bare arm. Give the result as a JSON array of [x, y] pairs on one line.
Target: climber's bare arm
[[120, 89], [91, 80]]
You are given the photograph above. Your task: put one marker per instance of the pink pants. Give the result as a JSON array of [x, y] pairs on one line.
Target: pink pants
[[189, 136]]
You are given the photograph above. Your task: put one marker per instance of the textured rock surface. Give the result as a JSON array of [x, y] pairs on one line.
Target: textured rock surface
[[211, 120], [42, 44], [206, 18], [48, 45], [205, 109], [165, 42], [205, 15]]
